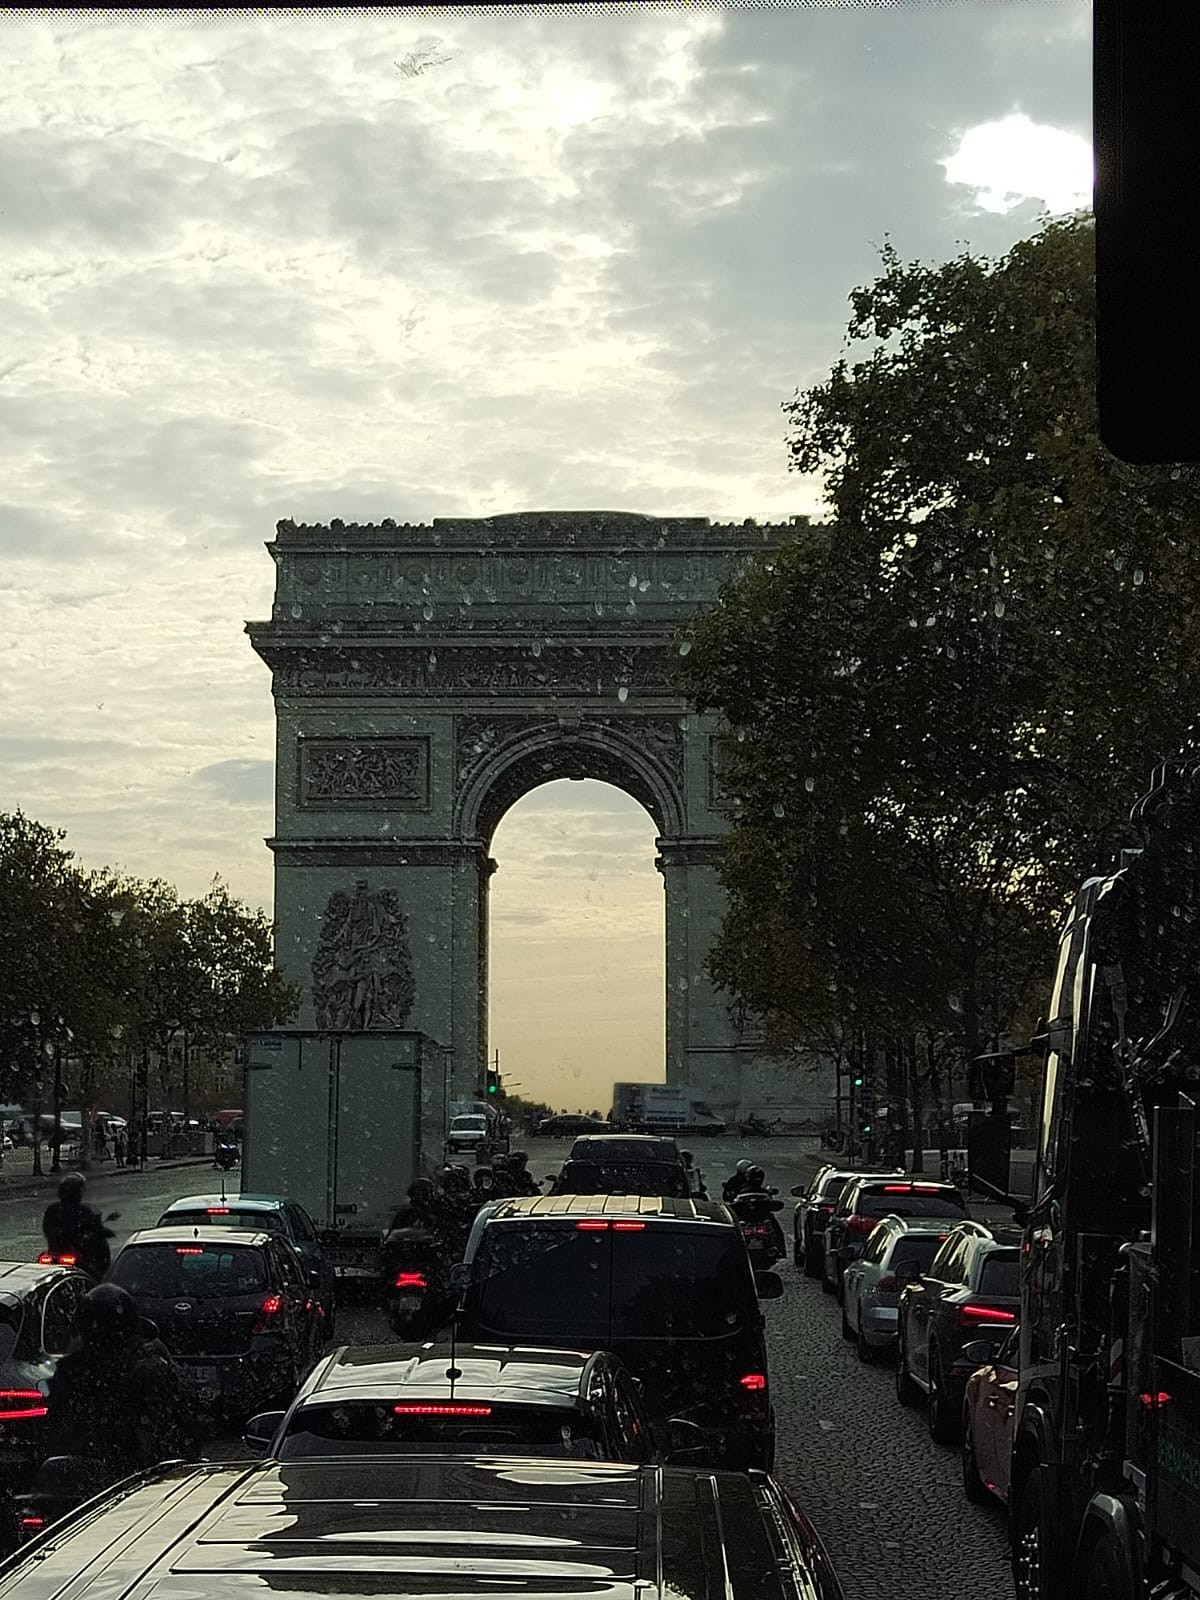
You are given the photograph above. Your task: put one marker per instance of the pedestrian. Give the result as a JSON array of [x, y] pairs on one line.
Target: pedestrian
[[120, 1146]]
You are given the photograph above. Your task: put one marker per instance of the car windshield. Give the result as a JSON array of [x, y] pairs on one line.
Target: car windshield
[[438, 1424], [619, 1177], [587, 1284], [1001, 1275], [469, 1124], [226, 1217], [907, 1204], [191, 1271]]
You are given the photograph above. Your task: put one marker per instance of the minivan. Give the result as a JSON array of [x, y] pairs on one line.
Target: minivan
[[664, 1284]]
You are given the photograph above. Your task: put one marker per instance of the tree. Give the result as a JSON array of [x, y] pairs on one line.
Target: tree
[[941, 703]]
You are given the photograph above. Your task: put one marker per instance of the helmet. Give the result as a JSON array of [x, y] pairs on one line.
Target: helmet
[[457, 1178], [743, 1167], [420, 1191], [755, 1176], [484, 1178], [72, 1186], [108, 1313], [686, 1157], [519, 1158]]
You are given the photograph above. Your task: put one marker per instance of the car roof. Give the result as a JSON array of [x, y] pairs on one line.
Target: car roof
[[636, 1139], [433, 1524], [906, 1184], [235, 1202], [217, 1239], [569, 1207], [525, 1374]]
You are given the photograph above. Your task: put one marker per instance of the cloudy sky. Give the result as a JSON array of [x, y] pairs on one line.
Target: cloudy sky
[[418, 265]]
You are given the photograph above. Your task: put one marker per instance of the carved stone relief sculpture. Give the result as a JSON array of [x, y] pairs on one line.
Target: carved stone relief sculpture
[[362, 971]]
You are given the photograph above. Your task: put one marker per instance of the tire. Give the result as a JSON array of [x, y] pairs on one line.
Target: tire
[[1108, 1575], [799, 1259], [944, 1422], [828, 1286], [868, 1354], [1036, 1563], [973, 1485], [906, 1390], [812, 1262], [839, 1289], [847, 1331]]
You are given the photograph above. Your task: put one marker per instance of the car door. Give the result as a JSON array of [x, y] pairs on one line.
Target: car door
[[920, 1300], [834, 1229], [1000, 1406], [308, 1248], [857, 1272], [291, 1282]]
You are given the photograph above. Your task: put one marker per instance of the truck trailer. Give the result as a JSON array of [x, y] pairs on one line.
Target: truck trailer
[[662, 1108]]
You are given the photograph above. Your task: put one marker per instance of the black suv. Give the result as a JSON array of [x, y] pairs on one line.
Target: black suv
[[233, 1307], [664, 1284], [865, 1201], [970, 1292], [618, 1163]]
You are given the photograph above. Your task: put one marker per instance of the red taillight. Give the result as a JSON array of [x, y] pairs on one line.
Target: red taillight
[[756, 1232], [888, 1285], [271, 1307], [33, 1522], [752, 1388], [442, 1411], [1154, 1402], [189, 1250], [860, 1224], [17, 1404], [753, 1380], [410, 1280], [216, 1211], [46, 1259], [968, 1315], [628, 1227], [591, 1227]]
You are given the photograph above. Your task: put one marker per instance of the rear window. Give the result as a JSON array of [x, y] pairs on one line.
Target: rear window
[[584, 1286], [832, 1188], [193, 1272], [880, 1203], [364, 1427], [1001, 1276], [661, 1150], [920, 1249], [468, 1124], [624, 1177], [255, 1221]]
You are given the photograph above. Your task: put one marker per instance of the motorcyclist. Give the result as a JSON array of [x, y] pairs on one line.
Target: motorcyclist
[[456, 1209], [518, 1165], [72, 1228], [506, 1178], [756, 1205], [483, 1181], [736, 1181], [118, 1398]]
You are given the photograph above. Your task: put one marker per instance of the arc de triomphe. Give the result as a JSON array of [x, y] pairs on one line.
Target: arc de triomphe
[[425, 678]]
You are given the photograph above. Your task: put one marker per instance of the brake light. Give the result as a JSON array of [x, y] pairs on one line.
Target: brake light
[[33, 1522], [897, 1188], [756, 1231], [216, 1211], [860, 1224], [752, 1388], [46, 1259], [968, 1315], [442, 1411], [888, 1285], [189, 1249], [628, 1227], [271, 1307], [591, 1227], [753, 1381], [410, 1280], [1155, 1402], [35, 1405]]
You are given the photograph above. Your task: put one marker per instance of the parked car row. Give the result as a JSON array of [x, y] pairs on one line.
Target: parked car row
[[921, 1282]]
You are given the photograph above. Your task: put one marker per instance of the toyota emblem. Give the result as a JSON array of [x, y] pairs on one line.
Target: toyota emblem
[[183, 1305]]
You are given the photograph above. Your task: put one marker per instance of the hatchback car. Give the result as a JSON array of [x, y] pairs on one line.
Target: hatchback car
[[865, 1201], [971, 1291], [664, 1284], [622, 1177], [559, 1126], [817, 1199], [871, 1285], [526, 1402], [233, 1307], [39, 1319], [469, 1526], [989, 1411], [269, 1213], [627, 1147]]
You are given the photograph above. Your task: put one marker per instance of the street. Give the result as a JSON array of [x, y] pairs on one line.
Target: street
[[887, 1501]]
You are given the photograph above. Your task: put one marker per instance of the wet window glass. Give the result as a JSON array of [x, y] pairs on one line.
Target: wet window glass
[[252, 1221], [483, 1426], [628, 1177], [917, 1250], [1001, 1276], [681, 1284], [544, 1283], [158, 1271]]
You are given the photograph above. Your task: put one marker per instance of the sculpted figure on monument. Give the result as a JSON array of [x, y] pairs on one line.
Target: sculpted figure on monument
[[362, 970]]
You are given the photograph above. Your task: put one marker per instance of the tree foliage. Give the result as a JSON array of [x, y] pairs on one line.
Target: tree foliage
[[941, 703]]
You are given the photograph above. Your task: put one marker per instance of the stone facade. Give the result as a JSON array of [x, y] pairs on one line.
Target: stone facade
[[425, 678]]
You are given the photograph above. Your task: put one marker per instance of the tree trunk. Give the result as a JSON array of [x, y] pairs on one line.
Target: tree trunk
[[916, 1107], [187, 1087], [935, 1094]]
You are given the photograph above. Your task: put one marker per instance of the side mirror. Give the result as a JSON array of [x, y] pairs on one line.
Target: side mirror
[[769, 1285], [979, 1352], [799, 1191], [261, 1430], [460, 1277]]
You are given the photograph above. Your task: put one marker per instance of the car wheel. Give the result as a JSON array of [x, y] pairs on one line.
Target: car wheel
[[847, 1330], [812, 1261], [799, 1256], [1033, 1541], [906, 1390], [839, 1287], [330, 1320], [973, 1485], [1108, 1576], [943, 1422], [868, 1354], [828, 1286]]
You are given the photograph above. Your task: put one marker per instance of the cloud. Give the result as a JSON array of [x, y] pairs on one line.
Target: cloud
[[1015, 160], [240, 781]]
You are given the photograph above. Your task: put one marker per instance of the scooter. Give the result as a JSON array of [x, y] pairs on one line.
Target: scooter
[[755, 1210], [417, 1295], [72, 1258], [226, 1155]]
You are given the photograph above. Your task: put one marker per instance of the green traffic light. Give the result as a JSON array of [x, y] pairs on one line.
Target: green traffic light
[[858, 1083], [491, 1088]]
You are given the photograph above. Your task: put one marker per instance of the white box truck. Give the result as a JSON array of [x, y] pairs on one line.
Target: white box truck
[[663, 1107], [335, 1122]]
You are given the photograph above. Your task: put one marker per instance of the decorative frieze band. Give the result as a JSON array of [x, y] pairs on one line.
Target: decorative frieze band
[[365, 774]]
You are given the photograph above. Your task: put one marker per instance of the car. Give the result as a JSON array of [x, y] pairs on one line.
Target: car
[[660, 1149], [664, 1284], [989, 1412], [39, 1319], [528, 1402], [467, 1526], [467, 1132], [817, 1199], [558, 1126], [272, 1213], [233, 1306], [863, 1202], [970, 1291], [871, 1287], [622, 1177]]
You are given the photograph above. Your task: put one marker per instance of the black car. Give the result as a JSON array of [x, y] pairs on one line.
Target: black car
[[269, 1213], [622, 1177], [39, 1318], [664, 1284], [817, 1200], [557, 1127], [382, 1401], [431, 1525], [969, 1293], [865, 1201], [626, 1147], [233, 1307]]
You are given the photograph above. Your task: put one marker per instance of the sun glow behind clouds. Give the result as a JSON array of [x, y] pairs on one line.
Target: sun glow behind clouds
[[1014, 160]]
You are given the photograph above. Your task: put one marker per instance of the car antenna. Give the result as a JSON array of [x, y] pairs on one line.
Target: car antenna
[[453, 1371]]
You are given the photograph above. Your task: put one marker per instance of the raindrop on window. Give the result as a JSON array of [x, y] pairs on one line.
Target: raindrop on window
[[1139, 577], [685, 649], [622, 694], [297, 611], [779, 809], [536, 647], [998, 608], [427, 613], [810, 784]]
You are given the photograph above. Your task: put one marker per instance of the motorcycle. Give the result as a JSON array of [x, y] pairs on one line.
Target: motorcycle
[[417, 1294], [755, 1211], [225, 1154], [74, 1257], [756, 1128]]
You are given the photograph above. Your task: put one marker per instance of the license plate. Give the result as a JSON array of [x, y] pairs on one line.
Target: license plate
[[205, 1376], [409, 1303]]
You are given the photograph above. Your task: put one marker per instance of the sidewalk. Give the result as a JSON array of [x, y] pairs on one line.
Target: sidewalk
[[15, 1184]]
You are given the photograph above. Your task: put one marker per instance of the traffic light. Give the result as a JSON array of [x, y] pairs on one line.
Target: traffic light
[[858, 1080], [493, 1082]]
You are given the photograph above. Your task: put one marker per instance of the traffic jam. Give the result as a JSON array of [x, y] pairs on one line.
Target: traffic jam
[[603, 1327]]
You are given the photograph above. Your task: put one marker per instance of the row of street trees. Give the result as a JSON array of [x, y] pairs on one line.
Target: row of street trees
[[942, 703], [100, 972]]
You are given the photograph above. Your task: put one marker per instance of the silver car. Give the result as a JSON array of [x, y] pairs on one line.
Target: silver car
[[870, 1312]]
